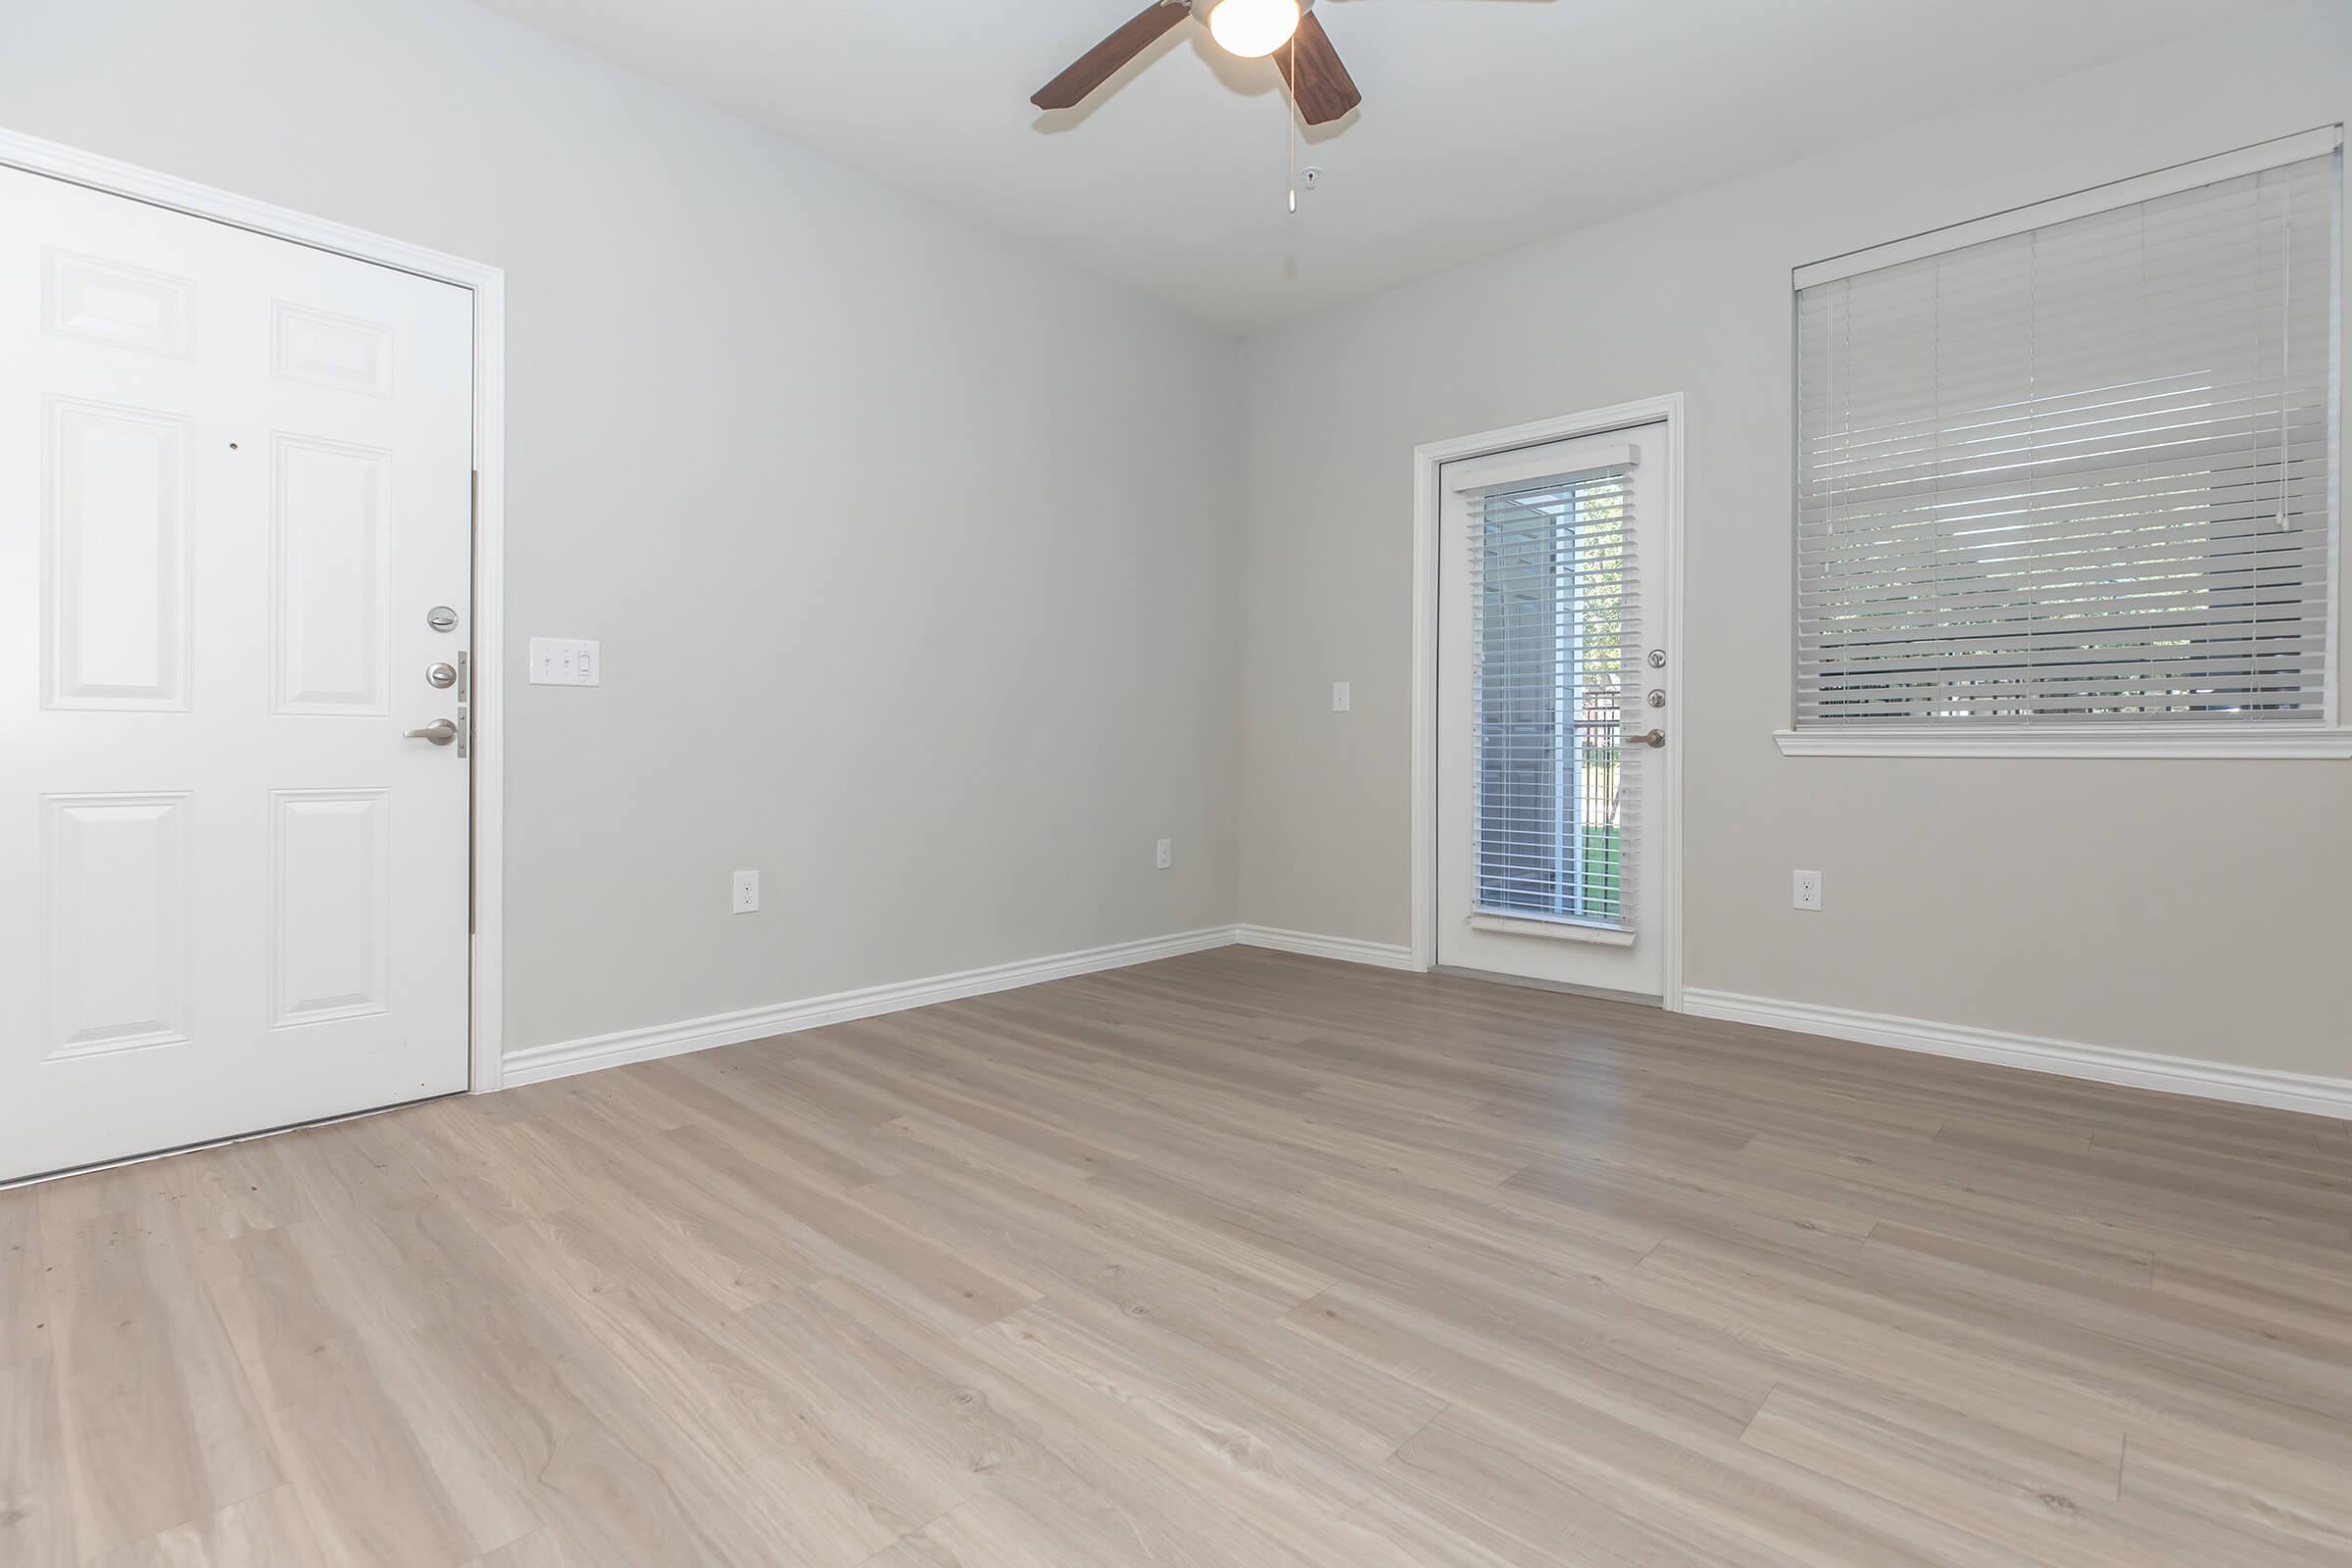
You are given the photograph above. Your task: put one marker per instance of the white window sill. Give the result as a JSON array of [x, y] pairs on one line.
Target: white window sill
[[1558, 930], [2090, 740]]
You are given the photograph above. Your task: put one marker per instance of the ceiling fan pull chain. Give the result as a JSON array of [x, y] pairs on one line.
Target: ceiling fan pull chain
[[1290, 120]]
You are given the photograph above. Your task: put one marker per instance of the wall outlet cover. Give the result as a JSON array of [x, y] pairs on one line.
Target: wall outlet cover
[[746, 893], [1163, 855], [1806, 892], [1341, 699], [566, 661]]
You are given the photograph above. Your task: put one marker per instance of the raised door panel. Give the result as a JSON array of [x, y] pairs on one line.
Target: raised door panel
[[117, 304], [116, 883], [330, 505], [117, 615], [329, 916], [324, 349]]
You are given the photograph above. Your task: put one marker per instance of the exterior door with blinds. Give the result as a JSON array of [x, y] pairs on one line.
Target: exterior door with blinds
[[1550, 793]]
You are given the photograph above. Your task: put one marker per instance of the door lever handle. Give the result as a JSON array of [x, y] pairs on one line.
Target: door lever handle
[[440, 732], [1653, 739]]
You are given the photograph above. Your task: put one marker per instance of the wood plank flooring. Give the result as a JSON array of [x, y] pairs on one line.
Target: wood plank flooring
[[1235, 1259]]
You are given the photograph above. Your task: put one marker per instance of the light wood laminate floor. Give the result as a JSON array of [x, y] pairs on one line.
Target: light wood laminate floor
[[1235, 1259]]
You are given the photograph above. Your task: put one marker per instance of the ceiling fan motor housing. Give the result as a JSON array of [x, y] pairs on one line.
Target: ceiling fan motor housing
[[1292, 37]]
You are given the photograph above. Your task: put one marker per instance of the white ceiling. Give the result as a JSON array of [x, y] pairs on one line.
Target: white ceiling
[[1486, 123]]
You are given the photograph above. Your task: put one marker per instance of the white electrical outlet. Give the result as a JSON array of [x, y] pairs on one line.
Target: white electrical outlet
[[566, 661], [746, 893], [1338, 697], [1163, 855], [1807, 894]]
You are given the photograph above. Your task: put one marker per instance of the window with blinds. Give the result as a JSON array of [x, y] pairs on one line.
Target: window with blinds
[[2080, 473], [1554, 608]]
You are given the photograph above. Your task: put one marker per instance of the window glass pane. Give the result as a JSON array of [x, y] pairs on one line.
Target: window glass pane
[[2077, 474], [1551, 598]]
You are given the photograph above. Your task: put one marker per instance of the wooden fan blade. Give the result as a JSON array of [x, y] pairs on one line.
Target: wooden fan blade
[[1319, 84], [1103, 62]]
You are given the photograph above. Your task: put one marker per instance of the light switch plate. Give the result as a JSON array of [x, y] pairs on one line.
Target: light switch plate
[[566, 661]]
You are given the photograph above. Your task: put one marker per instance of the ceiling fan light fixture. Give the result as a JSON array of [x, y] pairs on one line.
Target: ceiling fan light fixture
[[1253, 28]]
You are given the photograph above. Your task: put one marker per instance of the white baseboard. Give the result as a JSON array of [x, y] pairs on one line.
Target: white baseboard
[[1348, 949], [2179, 1075], [536, 1063], [2140, 1069]]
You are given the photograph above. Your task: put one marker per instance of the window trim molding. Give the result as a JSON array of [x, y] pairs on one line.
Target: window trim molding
[[2317, 743]]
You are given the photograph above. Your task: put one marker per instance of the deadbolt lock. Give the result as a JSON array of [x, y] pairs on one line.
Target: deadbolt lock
[[441, 677], [1657, 659], [1656, 698]]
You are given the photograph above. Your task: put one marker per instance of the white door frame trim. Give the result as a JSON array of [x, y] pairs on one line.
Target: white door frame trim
[[1428, 459], [487, 680]]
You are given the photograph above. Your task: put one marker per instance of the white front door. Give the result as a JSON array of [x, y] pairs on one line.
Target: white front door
[[1551, 644], [235, 478]]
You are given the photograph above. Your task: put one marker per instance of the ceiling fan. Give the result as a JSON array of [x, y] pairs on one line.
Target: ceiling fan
[[1252, 28]]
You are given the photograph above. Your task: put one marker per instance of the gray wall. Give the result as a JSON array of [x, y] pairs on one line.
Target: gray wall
[[912, 553], [927, 585], [2191, 907]]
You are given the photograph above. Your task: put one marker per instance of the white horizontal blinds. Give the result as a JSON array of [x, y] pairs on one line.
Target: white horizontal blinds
[[2078, 473], [1555, 618]]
